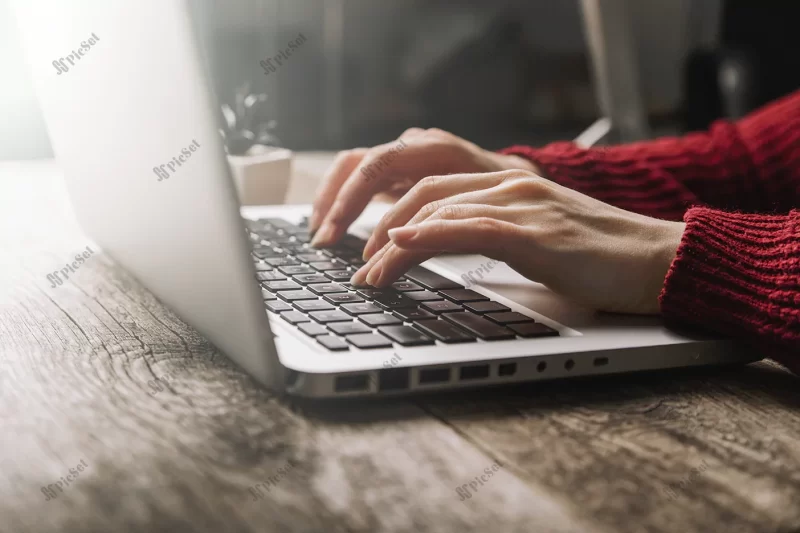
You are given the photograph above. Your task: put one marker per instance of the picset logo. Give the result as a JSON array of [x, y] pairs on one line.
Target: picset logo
[[61, 63]]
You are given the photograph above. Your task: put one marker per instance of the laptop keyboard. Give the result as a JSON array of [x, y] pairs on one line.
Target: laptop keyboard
[[310, 289]]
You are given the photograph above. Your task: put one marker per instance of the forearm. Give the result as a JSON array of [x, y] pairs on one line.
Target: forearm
[[739, 275], [751, 165]]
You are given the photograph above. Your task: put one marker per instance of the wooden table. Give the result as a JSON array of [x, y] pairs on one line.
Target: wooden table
[[709, 450]]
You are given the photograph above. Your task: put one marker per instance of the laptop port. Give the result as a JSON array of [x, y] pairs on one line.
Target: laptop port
[[358, 382], [600, 361], [434, 375], [507, 369], [541, 367], [391, 379], [570, 364], [474, 372]]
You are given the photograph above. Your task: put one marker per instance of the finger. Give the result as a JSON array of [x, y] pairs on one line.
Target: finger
[[428, 191], [342, 167], [494, 230], [474, 204], [468, 205], [374, 173]]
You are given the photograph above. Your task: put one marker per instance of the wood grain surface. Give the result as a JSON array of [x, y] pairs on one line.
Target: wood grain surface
[[206, 449]]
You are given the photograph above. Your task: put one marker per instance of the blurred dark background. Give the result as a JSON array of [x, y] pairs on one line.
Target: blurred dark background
[[500, 72]]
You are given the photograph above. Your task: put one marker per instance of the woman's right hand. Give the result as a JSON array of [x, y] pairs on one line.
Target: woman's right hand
[[393, 169]]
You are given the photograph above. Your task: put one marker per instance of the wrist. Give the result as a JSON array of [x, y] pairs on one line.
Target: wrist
[[668, 239]]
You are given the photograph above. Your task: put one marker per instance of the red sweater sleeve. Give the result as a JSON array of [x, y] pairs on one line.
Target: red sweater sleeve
[[735, 273], [751, 165]]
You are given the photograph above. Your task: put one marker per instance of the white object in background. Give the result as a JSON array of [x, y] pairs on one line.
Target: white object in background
[[262, 178]]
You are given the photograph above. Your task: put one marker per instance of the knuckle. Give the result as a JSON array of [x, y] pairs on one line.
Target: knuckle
[[450, 212], [353, 153], [429, 183], [432, 208], [437, 132], [488, 224], [531, 186]]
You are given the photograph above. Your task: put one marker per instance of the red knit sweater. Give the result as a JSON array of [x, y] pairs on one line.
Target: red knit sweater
[[737, 187]]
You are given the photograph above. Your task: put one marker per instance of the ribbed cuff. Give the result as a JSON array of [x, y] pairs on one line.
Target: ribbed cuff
[[739, 275], [554, 160]]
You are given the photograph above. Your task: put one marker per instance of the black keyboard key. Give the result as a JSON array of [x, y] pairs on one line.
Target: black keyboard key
[[477, 325], [394, 300], [486, 307], [268, 253], [533, 329], [302, 236], [293, 296], [508, 318], [412, 315], [371, 294], [406, 286], [325, 317], [357, 262], [365, 308], [281, 240], [294, 248], [444, 331], [335, 344], [310, 257], [263, 267], [308, 306], [348, 328], [295, 270], [270, 276], [339, 275], [268, 295], [442, 306], [312, 329], [423, 296], [308, 279], [281, 261], [431, 280], [281, 285], [343, 298], [277, 306], [275, 222], [323, 266], [406, 336], [325, 288], [380, 320], [463, 295], [294, 317], [367, 341]]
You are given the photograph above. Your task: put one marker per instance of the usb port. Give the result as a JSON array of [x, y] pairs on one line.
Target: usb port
[[434, 375], [474, 372], [358, 382], [600, 361], [507, 369]]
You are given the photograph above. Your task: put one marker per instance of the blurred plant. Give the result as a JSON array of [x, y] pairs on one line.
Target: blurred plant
[[244, 132]]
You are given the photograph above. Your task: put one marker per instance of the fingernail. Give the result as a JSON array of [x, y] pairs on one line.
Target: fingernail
[[359, 278], [375, 274], [322, 236], [405, 233]]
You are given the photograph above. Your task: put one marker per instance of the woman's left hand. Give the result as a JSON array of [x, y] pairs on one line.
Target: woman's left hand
[[589, 251]]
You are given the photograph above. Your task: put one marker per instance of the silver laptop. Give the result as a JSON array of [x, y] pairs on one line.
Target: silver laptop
[[133, 122]]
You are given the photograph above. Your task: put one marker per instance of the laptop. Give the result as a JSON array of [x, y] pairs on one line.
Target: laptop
[[133, 122]]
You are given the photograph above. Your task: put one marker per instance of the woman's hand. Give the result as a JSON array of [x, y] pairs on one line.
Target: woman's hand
[[594, 253], [393, 168]]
